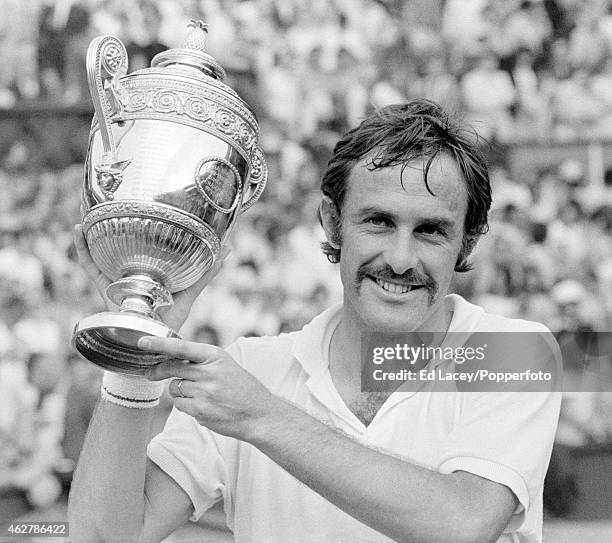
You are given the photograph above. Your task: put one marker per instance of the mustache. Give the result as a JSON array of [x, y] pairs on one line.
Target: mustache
[[386, 273]]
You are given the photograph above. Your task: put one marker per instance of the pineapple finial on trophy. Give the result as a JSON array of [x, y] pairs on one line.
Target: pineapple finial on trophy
[[197, 37], [193, 53]]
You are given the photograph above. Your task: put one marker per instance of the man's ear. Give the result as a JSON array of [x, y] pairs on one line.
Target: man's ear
[[330, 220]]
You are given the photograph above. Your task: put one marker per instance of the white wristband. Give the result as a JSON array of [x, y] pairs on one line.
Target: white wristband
[[131, 390]]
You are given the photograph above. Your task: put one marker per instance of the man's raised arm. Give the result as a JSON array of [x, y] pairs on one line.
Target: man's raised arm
[[117, 493]]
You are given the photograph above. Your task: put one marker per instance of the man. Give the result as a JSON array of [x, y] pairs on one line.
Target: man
[[278, 427]]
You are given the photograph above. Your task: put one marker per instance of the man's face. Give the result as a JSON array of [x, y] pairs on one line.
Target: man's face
[[400, 244]]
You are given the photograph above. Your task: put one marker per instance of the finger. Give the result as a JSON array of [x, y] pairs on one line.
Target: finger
[[200, 353], [173, 369], [179, 388], [86, 261], [183, 369], [81, 243]]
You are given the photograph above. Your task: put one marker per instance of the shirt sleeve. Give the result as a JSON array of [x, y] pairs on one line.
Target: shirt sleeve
[[506, 438], [189, 454], [505, 433], [195, 457]]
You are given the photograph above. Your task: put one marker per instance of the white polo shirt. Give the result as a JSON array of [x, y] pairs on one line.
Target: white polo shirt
[[506, 437]]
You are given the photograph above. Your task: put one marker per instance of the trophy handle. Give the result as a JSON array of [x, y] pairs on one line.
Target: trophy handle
[[257, 180], [107, 60]]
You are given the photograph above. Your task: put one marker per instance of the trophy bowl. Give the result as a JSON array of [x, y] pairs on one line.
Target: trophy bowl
[[173, 160]]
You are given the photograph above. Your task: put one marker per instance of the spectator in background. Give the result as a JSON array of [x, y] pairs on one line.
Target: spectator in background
[[18, 49], [560, 16], [605, 25], [600, 241], [12, 376], [601, 87], [22, 270], [349, 94], [64, 35], [39, 414], [487, 94], [532, 116], [577, 310], [318, 107], [587, 47], [392, 85], [575, 108], [518, 26], [464, 27], [437, 83], [280, 93], [144, 43], [567, 239]]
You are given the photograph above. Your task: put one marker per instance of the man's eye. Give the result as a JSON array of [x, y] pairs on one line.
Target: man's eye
[[430, 230], [379, 221]]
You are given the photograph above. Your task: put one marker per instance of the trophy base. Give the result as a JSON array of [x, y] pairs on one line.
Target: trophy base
[[110, 340]]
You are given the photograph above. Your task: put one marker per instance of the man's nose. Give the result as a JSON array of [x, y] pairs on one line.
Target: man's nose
[[401, 254]]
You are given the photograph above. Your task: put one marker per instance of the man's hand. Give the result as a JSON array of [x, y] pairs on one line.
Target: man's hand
[[174, 316], [211, 387]]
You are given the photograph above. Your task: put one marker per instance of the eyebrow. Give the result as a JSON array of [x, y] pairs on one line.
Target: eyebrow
[[373, 210], [440, 222]]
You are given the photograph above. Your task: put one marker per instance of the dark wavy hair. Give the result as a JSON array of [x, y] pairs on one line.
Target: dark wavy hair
[[399, 134]]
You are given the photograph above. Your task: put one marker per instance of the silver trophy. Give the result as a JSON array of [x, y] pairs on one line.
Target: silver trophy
[[173, 160]]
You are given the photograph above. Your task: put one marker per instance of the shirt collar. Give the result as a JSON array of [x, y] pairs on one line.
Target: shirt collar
[[311, 347], [465, 315], [464, 322]]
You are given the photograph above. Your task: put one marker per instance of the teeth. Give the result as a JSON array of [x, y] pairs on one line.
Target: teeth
[[393, 287]]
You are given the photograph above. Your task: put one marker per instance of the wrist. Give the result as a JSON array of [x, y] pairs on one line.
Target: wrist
[[131, 391], [270, 420]]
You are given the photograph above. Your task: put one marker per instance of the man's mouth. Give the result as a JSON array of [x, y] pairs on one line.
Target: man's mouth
[[395, 288]]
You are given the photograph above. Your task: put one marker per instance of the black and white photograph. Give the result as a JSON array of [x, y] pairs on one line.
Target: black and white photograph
[[326, 271]]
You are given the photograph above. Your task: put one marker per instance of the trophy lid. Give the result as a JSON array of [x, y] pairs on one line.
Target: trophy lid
[[184, 86], [193, 53]]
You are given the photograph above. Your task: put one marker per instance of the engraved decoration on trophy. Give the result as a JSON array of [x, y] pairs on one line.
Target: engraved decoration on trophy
[[173, 160]]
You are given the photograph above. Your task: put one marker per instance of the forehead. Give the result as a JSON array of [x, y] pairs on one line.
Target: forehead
[[406, 190]]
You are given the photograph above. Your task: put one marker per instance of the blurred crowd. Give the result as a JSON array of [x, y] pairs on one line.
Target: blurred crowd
[[519, 70]]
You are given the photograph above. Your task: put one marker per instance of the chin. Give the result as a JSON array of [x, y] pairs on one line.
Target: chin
[[389, 325], [394, 319]]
